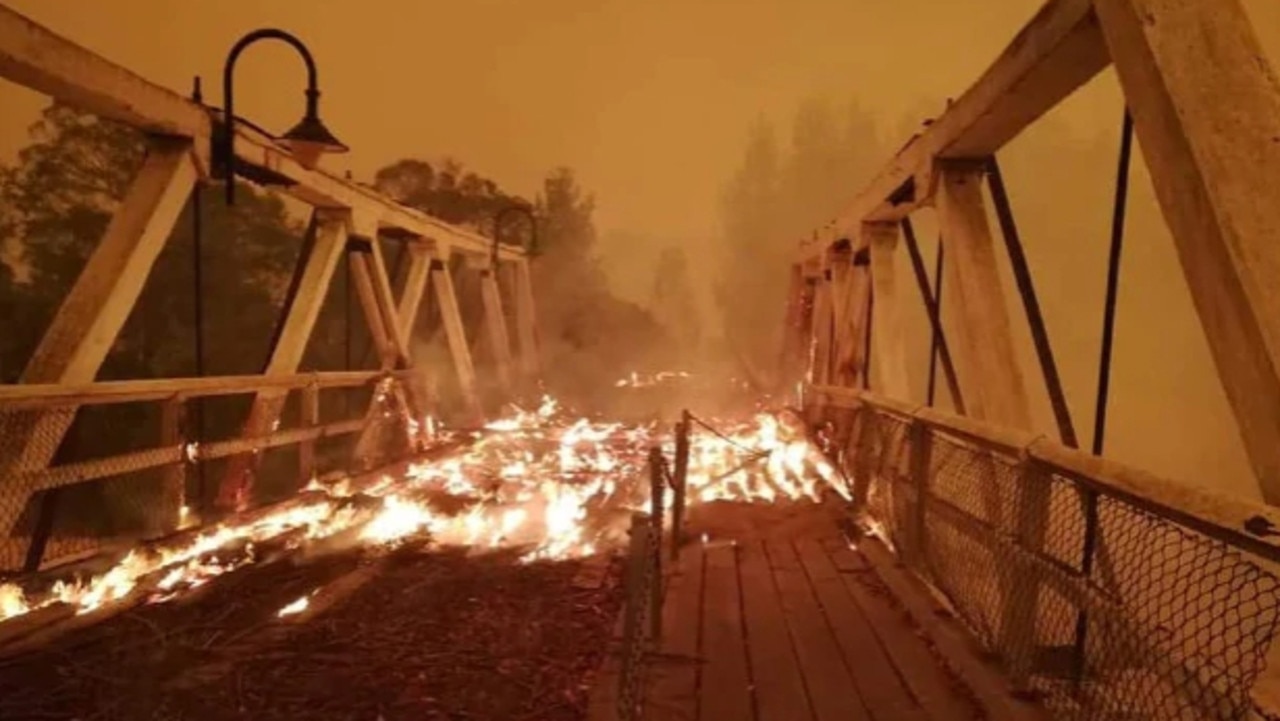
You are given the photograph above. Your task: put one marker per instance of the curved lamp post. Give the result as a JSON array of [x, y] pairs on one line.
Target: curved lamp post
[[307, 140], [524, 210]]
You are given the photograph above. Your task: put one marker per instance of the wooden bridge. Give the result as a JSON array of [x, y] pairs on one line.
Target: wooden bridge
[[982, 570]]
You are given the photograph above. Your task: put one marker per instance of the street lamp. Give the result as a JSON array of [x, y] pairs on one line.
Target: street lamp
[[307, 140], [519, 209]]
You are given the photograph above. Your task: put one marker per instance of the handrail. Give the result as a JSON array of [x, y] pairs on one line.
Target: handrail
[[999, 521], [45, 395], [1219, 516]]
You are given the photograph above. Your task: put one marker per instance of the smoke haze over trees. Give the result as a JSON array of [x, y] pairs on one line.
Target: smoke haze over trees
[[788, 184]]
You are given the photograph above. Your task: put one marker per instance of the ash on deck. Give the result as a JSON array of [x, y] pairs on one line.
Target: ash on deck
[[413, 634]]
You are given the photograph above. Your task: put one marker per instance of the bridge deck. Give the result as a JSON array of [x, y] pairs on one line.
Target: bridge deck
[[778, 618]]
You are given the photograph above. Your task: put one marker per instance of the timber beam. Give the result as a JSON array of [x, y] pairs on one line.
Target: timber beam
[[1058, 51]]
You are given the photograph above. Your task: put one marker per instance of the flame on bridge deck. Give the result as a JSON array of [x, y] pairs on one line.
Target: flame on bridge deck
[[553, 486]]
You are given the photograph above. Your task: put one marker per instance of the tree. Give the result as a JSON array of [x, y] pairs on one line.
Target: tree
[[673, 300], [590, 337], [772, 200], [61, 195], [753, 226], [57, 201], [450, 193]]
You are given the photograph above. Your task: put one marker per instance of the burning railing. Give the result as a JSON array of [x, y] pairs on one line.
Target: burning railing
[[554, 486]]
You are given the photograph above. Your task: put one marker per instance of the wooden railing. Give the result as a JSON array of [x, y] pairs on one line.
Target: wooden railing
[[1101, 588]]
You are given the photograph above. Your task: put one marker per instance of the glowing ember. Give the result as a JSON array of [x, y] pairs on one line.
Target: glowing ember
[[397, 520], [297, 606], [554, 486], [12, 602], [636, 380]]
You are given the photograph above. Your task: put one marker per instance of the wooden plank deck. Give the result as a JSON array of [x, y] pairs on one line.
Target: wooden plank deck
[[776, 617]]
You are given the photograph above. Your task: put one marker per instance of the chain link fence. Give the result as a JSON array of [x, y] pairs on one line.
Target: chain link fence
[[82, 475], [1104, 594], [642, 612]]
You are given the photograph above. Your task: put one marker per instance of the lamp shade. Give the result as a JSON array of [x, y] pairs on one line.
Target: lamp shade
[[310, 139]]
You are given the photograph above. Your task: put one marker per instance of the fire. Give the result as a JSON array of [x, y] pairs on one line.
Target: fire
[[297, 606], [636, 380], [12, 601], [397, 520], [553, 486]]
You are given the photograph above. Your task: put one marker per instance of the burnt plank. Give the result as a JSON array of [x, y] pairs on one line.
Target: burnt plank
[[779, 686], [878, 681], [832, 693], [725, 690], [672, 683]]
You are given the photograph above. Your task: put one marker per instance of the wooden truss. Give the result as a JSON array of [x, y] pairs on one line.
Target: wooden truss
[[1206, 109], [348, 219]]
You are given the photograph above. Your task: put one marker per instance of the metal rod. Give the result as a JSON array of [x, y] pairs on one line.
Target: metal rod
[[1104, 376], [45, 515], [935, 317], [1027, 291], [937, 330]]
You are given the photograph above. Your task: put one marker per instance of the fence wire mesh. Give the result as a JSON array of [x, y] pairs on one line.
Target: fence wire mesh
[[85, 478], [1131, 616]]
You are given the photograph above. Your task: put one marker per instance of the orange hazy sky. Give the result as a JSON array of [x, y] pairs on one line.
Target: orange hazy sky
[[649, 100]]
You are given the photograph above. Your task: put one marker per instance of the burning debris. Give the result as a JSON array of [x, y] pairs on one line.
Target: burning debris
[[538, 481], [297, 606], [637, 380]]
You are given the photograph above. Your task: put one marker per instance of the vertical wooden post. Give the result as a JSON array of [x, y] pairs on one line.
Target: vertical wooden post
[[820, 365], [173, 483], [264, 414], [889, 340], [808, 329], [920, 454], [526, 321], [851, 361], [1018, 628], [456, 336], [793, 334], [310, 419], [90, 317], [991, 365], [864, 430], [1206, 110], [496, 324]]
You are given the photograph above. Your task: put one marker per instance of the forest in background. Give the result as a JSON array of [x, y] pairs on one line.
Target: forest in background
[[787, 185]]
